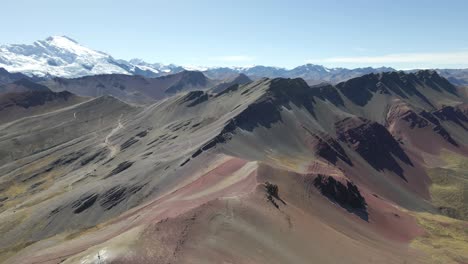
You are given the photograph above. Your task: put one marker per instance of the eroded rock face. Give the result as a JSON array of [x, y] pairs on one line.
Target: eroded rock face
[[457, 115], [329, 149], [346, 195], [428, 119], [327, 92], [436, 120], [374, 143], [403, 112]]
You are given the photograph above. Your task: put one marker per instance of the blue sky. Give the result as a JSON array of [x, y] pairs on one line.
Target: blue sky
[[401, 34]]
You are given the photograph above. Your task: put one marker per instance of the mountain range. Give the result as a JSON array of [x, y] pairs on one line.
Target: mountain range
[[274, 170], [61, 56], [132, 88], [111, 161]]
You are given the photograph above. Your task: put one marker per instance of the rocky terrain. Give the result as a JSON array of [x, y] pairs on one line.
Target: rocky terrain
[[370, 170]]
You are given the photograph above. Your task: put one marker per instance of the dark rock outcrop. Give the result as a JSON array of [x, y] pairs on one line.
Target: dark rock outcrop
[[457, 115], [272, 194], [374, 143], [121, 167], [346, 195]]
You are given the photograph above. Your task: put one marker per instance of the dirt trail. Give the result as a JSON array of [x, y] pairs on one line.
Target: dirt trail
[[113, 149]]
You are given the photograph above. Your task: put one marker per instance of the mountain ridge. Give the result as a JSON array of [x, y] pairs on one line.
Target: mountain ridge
[[61, 56], [200, 166], [132, 88]]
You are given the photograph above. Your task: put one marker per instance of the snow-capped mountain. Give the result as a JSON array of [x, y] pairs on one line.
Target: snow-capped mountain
[[157, 68], [57, 56], [310, 72], [61, 56]]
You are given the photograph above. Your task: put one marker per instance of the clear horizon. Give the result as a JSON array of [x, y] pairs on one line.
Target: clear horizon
[[398, 34]]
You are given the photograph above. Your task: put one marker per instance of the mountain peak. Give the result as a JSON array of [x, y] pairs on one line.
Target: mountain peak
[[137, 61], [242, 78], [66, 44], [62, 39], [57, 56], [427, 74], [421, 75], [3, 71]]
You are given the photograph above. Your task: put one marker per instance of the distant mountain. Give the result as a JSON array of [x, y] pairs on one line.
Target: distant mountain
[[132, 88], [154, 69], [25, 98], [316, 73], [263, 71], [183, 81], [57, 56], [455, 76], [238, 80], [7, 77], [312, 73], [22, 85], [62, 56]]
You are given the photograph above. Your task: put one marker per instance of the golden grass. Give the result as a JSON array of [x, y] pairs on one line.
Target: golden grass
[[454, 160], [18, 192], [446, 239], [19, 203], [9, 252], [449, 187], [16, 218], [298, 164], [80, 232]]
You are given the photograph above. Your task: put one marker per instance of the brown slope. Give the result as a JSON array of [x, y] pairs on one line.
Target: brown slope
[[406, 124]]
